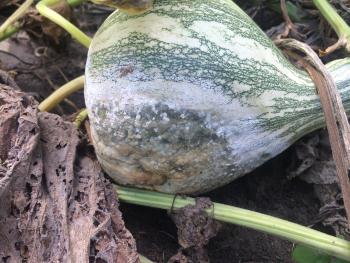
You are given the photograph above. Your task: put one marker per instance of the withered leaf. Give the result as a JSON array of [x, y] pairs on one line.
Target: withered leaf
[[56, 204]]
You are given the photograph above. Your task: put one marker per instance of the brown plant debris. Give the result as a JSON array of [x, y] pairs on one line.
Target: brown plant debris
[[336, 120], [4, 3], [56, 206], [194, 230], [39, 26], [6, 79], [313, 163]]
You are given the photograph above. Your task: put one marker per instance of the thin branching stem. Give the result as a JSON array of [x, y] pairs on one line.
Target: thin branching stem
[[336, 22]]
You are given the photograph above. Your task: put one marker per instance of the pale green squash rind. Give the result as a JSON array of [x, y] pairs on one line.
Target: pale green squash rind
[[222, 70], [270, 125]]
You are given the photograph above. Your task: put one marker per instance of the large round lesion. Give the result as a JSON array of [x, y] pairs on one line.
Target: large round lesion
[[157, 147]]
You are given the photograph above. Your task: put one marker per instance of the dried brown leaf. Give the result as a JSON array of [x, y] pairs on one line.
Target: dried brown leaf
[[56, 204], [195, 228]]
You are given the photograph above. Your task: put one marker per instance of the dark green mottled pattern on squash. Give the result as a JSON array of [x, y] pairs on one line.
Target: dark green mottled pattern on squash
[[183, 63], [262, 102]]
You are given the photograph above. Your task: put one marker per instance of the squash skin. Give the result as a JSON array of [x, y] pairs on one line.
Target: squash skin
[[192, 94], [127, 6]]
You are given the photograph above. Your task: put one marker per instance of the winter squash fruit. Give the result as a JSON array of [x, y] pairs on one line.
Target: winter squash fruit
[[192, 94]]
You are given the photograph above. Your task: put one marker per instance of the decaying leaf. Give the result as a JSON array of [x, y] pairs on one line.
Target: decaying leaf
[[56, 204], [314, 158], [314, 164], [195, 229]]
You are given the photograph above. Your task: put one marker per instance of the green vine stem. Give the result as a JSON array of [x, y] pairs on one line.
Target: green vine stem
[[74, 3], [82, 115], [143, 259], [7, 28], [9, 31], [337, 23], [296, 233], [10, 26], [47, 12], [78, 83], [60, 94]]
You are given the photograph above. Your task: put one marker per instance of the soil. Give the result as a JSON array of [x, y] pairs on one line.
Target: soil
[[39, 67]]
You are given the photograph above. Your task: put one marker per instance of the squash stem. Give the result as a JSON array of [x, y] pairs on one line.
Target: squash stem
[[74, 3], [143, 259], [15, 16], [78, 83], [336, 21], [60, 94], [10, 26], [83, 114], [9, 31], [47, 12], [293, 232]]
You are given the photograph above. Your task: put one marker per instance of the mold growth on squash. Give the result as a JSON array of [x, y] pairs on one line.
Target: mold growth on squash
[[155, 145]]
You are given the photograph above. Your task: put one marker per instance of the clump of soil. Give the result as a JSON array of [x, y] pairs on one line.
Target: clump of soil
[[195, 228]]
